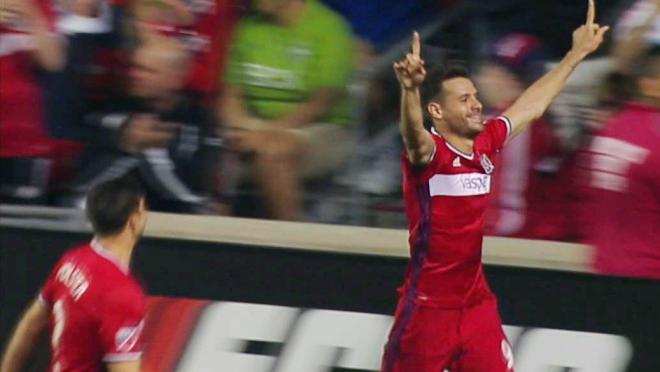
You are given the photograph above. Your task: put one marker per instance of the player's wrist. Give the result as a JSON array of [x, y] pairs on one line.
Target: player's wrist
[[574, 57], [410, 88]]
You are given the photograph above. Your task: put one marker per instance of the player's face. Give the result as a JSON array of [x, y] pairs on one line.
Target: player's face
[[460, 107]]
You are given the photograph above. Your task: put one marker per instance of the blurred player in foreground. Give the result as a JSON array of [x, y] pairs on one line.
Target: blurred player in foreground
[[623, 168], [447, 317], [93, 306]]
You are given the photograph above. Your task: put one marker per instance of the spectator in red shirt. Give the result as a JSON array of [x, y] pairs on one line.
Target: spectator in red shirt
[[622, 208], [27, 44], [527, 195], [203, 26]]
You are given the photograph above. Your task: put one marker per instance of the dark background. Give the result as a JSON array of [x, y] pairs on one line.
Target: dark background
[[229, 272]]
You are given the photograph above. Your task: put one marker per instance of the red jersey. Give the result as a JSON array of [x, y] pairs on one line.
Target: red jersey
[[97, 309], [22, 131], [529, 197], [622, 214], [446, 205], [209, 40], [206, 39]]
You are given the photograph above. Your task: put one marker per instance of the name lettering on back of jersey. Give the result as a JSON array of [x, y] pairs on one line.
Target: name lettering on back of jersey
[[611, 162], [486, 164], [74, 279], [465, 184]]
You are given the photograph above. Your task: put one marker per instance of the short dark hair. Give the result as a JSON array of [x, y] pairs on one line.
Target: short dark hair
[[111, 203], [437, 75]]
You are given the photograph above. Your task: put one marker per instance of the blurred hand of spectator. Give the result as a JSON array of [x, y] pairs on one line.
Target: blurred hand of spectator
[[637, 30], [25, 13], [29, 16], [145, 131], [10, 12]]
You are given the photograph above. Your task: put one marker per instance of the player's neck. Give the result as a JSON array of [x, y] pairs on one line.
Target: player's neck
[[120, 245], [461, 143]]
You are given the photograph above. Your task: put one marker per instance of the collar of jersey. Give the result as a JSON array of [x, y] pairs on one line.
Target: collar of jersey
[[452, 148], [105, 253]]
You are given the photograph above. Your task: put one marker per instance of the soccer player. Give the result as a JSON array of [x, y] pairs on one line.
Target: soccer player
[[447, 317], [93, 306]]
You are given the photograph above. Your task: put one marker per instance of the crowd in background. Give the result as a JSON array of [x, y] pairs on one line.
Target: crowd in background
[[287, 109]]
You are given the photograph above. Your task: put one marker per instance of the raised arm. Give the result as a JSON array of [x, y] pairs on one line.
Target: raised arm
[[50, 51], [531, 105], [411, 73], [26, 336]]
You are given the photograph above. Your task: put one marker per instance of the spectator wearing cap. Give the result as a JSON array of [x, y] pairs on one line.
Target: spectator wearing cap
[[528, 196]]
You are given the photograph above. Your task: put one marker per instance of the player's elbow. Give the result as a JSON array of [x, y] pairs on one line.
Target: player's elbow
[[420, 155], [36, 318]]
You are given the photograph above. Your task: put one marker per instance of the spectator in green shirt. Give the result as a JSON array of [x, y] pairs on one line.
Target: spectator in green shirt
[[284, 105]]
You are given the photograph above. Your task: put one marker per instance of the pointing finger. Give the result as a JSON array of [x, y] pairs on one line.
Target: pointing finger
[[415, 44], [591, 13]]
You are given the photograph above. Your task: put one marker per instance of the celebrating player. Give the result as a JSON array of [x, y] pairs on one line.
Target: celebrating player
[[94, 307], [447, 316]]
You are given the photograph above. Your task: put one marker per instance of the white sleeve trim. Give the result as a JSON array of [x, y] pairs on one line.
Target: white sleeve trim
[[122, 357], [435, 149], [507, 122]]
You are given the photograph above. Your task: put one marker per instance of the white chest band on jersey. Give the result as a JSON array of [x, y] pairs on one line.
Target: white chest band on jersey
[[465, 184]]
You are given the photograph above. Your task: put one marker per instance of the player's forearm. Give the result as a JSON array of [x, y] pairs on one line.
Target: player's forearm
[[319, 104], [531, 105], [27, 335], [416, 138]]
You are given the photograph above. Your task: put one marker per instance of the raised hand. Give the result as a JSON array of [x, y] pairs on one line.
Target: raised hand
[[410, 72], [588, 37]]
